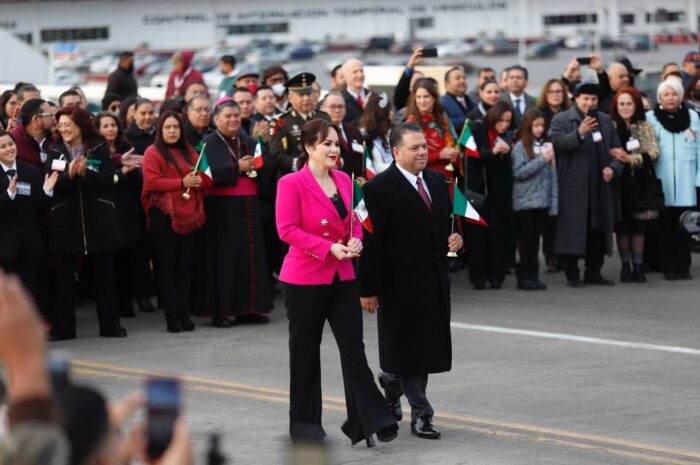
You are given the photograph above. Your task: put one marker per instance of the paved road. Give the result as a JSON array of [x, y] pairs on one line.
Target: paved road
[[538, 378]]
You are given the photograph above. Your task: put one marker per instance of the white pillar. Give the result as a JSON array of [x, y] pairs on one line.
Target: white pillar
[[692, 15]]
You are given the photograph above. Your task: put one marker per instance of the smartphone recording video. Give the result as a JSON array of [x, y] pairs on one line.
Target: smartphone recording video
[[163, 407]]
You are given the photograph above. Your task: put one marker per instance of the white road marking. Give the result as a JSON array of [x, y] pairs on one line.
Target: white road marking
[[575, 338]]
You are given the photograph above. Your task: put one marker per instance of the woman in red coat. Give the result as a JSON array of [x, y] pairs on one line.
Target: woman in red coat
[[425, 110], [172, 218]]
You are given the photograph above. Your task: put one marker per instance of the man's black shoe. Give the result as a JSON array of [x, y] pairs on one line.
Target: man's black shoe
[[575, 282], [599, 281], [220, 322], [423, 428]]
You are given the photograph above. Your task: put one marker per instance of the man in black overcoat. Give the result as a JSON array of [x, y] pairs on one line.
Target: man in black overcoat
[[587, 150], [403, 273]]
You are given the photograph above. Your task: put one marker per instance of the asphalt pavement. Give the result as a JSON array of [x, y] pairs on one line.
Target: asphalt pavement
[[563, 376]]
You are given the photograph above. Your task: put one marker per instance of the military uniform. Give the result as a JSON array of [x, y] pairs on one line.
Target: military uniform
[[285, 138]]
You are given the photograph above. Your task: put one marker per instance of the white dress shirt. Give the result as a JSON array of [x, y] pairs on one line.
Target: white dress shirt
[[412, 178], [5, 168], [521, 102]]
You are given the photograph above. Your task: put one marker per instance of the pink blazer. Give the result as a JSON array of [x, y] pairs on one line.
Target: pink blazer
[[310, 224]]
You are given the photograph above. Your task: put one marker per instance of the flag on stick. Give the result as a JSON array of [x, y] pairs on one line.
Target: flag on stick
[[462, 207], [359, 207]]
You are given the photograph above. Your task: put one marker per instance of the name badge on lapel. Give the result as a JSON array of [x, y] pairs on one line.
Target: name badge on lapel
[[24, 188], [58, 165], [357, 147]]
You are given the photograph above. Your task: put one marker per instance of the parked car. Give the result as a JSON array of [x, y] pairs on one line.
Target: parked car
[[455, 48], [301, 53], [638, 43], [383, 43], [499, 47], [542, 50]]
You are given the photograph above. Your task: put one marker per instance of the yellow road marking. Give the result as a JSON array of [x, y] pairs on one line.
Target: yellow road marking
[[480, 425]]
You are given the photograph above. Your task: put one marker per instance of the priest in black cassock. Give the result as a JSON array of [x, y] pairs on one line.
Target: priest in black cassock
[[237, 279]]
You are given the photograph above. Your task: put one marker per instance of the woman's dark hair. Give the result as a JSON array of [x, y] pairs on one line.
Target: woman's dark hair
[[496, 112], [486, 83], [172, 104], [82, 119], [312, 133], [376, 121], [143, 101], [431, 86], [121, 144], [638, 106], [109, 98], [4, 98], [542, 98], [689, 89], [525, 130], [181, 144], [5, 133], [126, 103]]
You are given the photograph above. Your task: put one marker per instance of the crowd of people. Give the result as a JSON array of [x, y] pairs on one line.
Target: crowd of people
[[211, 205], [119, 200]]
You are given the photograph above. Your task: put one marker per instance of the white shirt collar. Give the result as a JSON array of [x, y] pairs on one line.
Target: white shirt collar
[[355, 94], [412, 178], [514, 97], [13, 167]]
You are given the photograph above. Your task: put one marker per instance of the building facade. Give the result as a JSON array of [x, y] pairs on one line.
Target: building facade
[[168, 24]]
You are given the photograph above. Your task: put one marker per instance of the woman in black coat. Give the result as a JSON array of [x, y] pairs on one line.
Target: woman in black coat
[[83, 221], [142, 131], [132, 274], [491, 175]]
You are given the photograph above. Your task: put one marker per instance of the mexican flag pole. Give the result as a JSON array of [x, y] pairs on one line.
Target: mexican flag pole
[[203, 167], [358, 206]]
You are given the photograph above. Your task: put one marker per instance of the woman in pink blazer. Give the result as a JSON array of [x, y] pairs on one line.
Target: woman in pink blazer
[[314, 211]]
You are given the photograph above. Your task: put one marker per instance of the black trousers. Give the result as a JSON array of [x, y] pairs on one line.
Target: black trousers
[[414, 388], [127, 262], [594, 258], [487, 248], [530, 226], [308, 308], [674, 243], [174, 257], [26, 267], [548, 236], [101, 268]]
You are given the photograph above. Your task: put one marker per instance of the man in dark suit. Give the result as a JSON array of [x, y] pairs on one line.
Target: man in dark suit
[[521, 101], [403, 273], [352, 150], [355, 93], [21, 195], [456, 101]]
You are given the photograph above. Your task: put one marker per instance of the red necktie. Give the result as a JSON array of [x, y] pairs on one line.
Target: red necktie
[[360, 101], [423, 194]]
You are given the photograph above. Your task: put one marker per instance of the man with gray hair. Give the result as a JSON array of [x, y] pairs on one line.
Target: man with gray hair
[[352, 150], [355, 93]]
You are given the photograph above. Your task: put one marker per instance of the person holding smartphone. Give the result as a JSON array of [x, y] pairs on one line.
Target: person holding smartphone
[[314, 216], [587, 149]]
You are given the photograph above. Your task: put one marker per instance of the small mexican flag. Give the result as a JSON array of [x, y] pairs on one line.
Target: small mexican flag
[[203, 167], [359, 207], [369, 165], [258, 155], [466, 140], [462, 207]]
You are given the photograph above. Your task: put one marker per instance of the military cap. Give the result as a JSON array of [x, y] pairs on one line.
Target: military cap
[[301, 83]]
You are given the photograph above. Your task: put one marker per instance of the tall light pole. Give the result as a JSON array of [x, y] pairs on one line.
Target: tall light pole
[[522, 31]]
